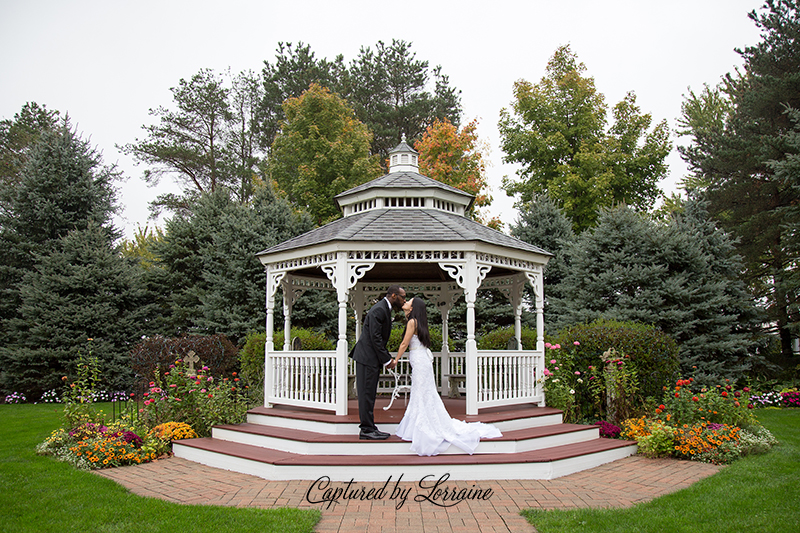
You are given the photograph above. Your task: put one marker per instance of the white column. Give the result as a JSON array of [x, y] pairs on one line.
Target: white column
[[273, 280], [288, 303]]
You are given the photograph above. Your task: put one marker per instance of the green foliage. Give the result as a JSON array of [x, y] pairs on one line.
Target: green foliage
[[389, 89], [680, 277], [81, 289], [207, 277], [660, 440], [498, 339], [557, 132], [743, 145], [154, 355], [251, 363], [691, 404], [207, 143], [542, 223], [653, 354], [17, 136], [615, 387], [251, 356], [321, 151], [198, 399]]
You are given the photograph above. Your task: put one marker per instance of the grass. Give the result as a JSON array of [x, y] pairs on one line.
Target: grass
[[39, 494], [758, 493]]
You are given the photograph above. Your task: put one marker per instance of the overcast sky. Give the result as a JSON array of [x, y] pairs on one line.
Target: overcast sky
[[106, 63]]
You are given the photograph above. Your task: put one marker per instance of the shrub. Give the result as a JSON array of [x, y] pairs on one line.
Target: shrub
[[498, 339], [164, 434], [251, 363], [199, 400], [653, 353], [614, 386], [708, 443], [767, 399], [251, 356], [790, 399], [157, 353]]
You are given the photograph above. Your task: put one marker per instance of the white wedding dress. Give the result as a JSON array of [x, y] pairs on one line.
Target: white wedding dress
[[426, 423]]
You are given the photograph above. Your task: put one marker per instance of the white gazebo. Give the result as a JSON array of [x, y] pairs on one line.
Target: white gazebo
[[403, 228]]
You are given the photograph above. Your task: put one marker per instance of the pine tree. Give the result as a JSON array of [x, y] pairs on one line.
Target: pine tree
[[680, 277], [62, 187], [540, 222], [206, 274], [79, 290]]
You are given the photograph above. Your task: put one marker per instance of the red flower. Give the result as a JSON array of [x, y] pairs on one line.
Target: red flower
[[662, 407], [695, 399], [677, 395], [724, 394]]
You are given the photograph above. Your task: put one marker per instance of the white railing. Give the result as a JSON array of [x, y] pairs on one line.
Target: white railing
[[509, 377], [308, 378], [303, 378]]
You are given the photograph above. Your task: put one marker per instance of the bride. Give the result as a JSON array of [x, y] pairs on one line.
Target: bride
[[426, 423]]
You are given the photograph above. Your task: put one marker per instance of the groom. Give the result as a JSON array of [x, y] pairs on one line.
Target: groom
[[371, 355]]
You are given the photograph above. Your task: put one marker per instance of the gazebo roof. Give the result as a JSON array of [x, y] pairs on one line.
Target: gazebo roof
[[409, 210], [404, 225]]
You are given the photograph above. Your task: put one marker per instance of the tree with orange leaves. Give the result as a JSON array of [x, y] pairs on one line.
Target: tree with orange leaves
[[453, 157]]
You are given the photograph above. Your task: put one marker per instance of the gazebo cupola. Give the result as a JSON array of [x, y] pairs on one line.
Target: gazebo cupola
[[408, 229], [404, 187]]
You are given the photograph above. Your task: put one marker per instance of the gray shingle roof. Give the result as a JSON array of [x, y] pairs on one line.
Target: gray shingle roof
[[404, 225], [403, 180]]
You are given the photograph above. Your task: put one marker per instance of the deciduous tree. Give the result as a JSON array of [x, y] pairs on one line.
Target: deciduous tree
[[321, 150], [557, 130], [454, 157]]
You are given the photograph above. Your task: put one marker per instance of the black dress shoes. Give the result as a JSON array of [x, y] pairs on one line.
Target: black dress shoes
[[373, 435]]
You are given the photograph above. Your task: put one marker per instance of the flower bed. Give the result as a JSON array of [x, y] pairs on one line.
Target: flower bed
[[708, 424]]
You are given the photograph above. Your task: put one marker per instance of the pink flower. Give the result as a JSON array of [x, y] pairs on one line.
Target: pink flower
[[576, 343], [547, 345], [547, 372], [557, 346], [577, 373], [552, 361], [556, 368]]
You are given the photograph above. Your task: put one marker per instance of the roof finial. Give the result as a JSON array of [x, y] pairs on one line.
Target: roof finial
[[403, 137]]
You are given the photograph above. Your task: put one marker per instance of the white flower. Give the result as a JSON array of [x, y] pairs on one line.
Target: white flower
[[580, 380], [572, 391]]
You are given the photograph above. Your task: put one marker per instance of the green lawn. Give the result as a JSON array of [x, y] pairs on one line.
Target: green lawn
[[40, 494], [754, 494]]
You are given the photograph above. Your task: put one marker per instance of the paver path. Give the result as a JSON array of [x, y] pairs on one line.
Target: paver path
[[493, 505]]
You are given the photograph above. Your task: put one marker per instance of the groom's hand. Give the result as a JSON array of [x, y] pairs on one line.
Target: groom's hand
[[391, 364]]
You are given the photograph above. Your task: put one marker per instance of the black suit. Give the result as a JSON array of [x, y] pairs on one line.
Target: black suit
[[371, 355]]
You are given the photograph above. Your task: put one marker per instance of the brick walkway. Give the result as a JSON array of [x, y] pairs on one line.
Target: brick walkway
[[619, 484]]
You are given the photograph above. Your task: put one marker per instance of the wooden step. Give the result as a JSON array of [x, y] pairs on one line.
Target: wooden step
[[274, 464], [311, 442]]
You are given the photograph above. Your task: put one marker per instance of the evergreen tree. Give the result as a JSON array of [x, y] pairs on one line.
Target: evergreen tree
[[388, 88], [206, 276], [737, 147], [542, 223], [62, 187], [680, 277], [80, 291]]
